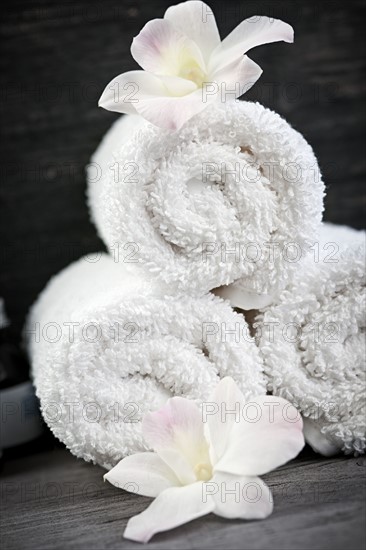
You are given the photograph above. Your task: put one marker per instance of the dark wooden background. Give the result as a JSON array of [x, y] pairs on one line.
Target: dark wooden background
[[58, 56]]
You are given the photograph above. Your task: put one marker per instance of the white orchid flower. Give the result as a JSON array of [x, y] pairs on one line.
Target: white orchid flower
[[186, 66], [208, 460]]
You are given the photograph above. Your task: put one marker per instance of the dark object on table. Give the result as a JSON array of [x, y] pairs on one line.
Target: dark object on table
[[20, 419]]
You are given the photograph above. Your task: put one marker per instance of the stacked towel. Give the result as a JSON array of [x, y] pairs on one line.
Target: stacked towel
[[108, 345], [208, 205], [312, 340], [231, 203]]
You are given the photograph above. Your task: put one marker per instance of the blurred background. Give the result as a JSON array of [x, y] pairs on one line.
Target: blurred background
[[58, 57]]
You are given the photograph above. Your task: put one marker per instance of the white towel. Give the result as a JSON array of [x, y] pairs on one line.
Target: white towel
[[129, 349], [312, 341], [205, 206]]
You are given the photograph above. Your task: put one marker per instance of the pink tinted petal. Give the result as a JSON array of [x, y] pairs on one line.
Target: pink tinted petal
[[161, 49], [175, 432], [237, 78], [240, 497], [170, 509], [171, 113], [143, 473], [124, 92], [269, 435], [250, 33], [179, 417], [197, 21], [225, 398]]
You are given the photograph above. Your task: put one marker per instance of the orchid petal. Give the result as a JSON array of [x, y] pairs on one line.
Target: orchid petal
[[175, 432], [176, 86], [250, 33], [222, 411], [123, 93], [240, 497], [172, 112], [142, 473], [237, 77], [162, 49], [196, 20], [170, 509], [268, 435], [127, 91]]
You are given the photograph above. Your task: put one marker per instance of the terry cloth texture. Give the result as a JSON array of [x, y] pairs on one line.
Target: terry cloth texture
[[205, 205], [312, 341], [107, 345]]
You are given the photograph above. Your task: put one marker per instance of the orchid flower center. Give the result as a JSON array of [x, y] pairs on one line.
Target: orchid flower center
[[203, 471], [191, 70]]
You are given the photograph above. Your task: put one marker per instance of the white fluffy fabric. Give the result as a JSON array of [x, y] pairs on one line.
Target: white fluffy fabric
[[131, 348], [195, 201], [312, 341]]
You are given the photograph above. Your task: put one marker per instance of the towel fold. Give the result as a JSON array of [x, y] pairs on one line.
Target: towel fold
[[312, 340], [207, 205], [107, 345]]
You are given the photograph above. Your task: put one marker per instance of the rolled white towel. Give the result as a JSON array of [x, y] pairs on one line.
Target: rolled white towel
[[205, 205], [107, 346], [102, 163], [312, 341]]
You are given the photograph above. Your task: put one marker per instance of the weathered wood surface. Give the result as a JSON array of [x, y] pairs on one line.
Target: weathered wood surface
[[56, 60], [52, 500]]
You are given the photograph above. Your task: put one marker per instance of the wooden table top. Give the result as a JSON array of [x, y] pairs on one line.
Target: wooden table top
[[53, 500]]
